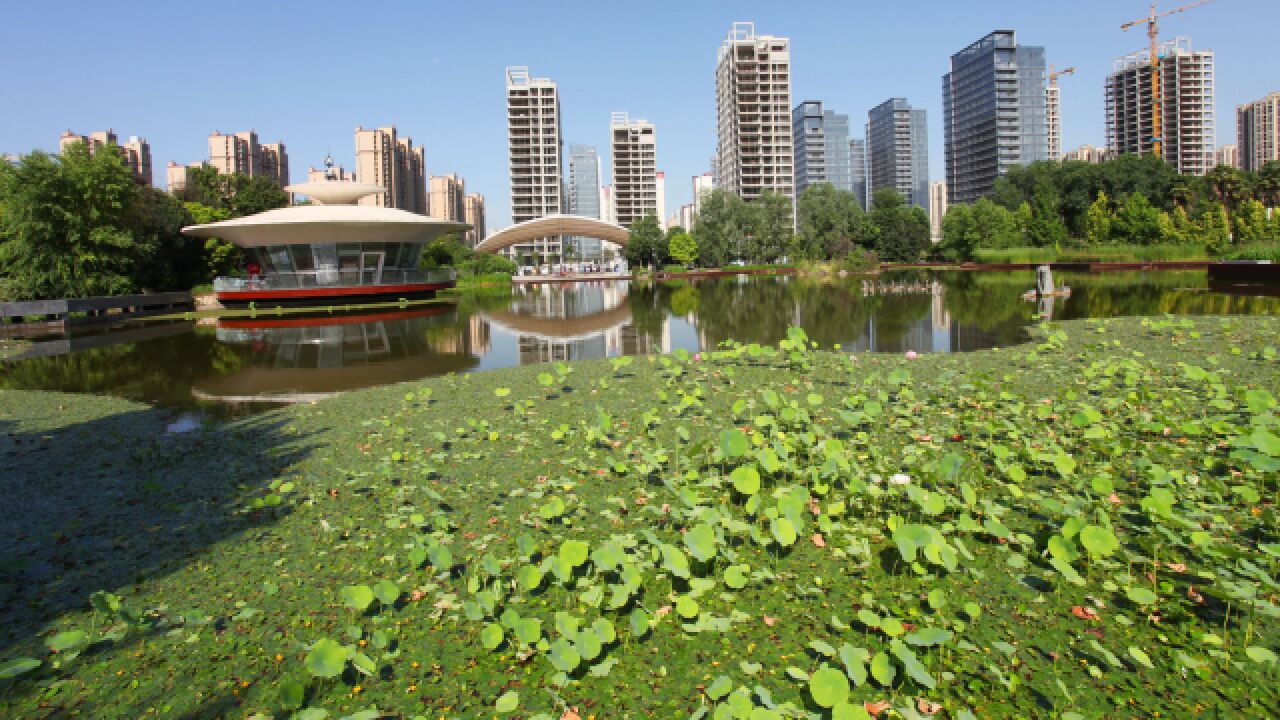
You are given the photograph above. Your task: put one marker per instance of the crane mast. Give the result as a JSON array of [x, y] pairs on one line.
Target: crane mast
[[1157, 87]]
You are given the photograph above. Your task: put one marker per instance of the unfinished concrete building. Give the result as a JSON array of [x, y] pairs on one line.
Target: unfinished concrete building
[[754, 150], [1187, 114], [635, 190]]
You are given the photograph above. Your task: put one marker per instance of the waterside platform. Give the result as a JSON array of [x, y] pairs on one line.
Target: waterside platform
[[73, 311]]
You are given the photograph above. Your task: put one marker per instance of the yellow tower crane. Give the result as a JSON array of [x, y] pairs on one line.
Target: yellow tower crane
[[1157, 89], [1053, 74]]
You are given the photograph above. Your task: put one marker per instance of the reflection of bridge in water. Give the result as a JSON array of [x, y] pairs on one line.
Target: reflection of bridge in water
[[571, 322]]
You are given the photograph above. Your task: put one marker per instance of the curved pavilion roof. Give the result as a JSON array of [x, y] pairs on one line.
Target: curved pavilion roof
[[305, 224], [531, 230]]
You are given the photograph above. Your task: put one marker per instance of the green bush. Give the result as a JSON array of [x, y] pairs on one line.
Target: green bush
[[1256, 251], [674, 268], [1107, 253]]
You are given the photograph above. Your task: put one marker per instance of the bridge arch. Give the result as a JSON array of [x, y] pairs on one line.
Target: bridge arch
[[550, 225]]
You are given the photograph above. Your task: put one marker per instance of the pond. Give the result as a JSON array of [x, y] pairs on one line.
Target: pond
[[237, 366]]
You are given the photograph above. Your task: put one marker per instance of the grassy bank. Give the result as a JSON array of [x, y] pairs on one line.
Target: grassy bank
[[1101, 253], [1085, 524]]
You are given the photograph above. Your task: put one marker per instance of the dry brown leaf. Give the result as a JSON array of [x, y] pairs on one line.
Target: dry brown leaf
[[818, 540], [875, 708], [1084, 612], [770, 620], [571, 714], [927, 707]]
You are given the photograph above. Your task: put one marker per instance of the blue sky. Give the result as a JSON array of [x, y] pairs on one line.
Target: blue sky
[[308, 73]]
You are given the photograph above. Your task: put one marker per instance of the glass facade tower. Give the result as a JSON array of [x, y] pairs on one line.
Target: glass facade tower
[[584, 194], [994, 113], [898, 150], [821, 141]]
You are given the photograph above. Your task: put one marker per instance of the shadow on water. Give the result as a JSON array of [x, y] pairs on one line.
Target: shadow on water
[[110, 502]]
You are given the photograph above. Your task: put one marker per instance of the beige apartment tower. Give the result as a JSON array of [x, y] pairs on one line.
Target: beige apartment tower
[[535, 147], [937, 208], [635, 190], [447, 198], [394, 163], [1088, 153], [474, 216], [1228, 155], [1258, 132], [135, 151], [1186, 79], [753, 114], [1053, 115], [241, 154]]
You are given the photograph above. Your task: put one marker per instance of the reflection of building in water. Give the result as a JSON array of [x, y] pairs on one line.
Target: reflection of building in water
[[555, 322], [478, 335]]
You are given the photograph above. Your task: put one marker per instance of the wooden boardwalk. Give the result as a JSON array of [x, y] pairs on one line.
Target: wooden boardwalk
[[73, 311]]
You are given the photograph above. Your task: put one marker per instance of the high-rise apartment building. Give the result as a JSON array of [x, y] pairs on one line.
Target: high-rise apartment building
[[993, 113], [753, 114], [135, 152], [858, 170], [241, 154], [384, 158], [534, 150], [821, 142], [702, 184], [446, 199], [176, 176], [1053, 120], [937, 208], [635, 181], [1258, 132], [583, 194], [898, 150], [1187, 109], [1228, 155], [1087, 153], [608, 212], [660, 191], [474, 216]]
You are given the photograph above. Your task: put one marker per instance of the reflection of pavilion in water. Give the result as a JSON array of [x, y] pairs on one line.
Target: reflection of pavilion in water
[[292, 359], [573, 322]]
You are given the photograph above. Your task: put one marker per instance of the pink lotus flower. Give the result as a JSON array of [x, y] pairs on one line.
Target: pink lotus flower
[[697, 357], [911, 355]]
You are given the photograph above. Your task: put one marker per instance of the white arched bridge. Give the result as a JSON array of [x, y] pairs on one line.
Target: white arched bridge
[[551, 225]]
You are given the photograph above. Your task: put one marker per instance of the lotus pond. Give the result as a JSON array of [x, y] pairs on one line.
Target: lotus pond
[[238, 365], [1083, 526]]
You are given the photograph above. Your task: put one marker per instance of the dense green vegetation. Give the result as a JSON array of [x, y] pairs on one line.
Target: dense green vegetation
[[1132, 200], [1081, 527], [76, 225], [832, 226], [451, 251]]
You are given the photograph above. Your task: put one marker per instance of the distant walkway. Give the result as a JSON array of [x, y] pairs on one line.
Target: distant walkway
[[571, 277]]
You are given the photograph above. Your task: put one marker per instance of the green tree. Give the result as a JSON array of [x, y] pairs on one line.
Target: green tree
[[902, 231], [1044, 226], [1215, 228], [1097, 224], [995, 225], [682, 248], [718, 227], [239, 195], [769, 228], [1250, 223], [1228, 185], [1137, 221], [830, 223], [221, 258], [1266, 188], [959, 234], [646, 245], [67, 226]]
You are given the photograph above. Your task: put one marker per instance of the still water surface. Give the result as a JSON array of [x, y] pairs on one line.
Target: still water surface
[[245, 365]]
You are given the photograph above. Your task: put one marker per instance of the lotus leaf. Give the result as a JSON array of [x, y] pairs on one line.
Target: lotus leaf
[[828, 686]]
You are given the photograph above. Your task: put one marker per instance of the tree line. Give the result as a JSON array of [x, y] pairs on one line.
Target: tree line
[[1132, 199], [78, 224], [830, 225]]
